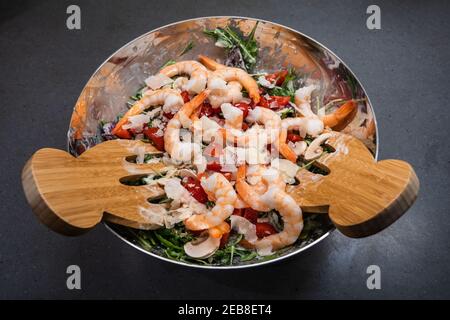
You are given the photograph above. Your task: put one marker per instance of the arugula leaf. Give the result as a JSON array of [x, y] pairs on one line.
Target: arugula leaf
[[288, 86], [138, 95], [210, 204], [188, 48], [221, 37], [287, 113], [168, 63], [231, 39]]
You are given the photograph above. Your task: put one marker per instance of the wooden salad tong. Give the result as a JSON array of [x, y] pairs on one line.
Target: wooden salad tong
[[72, 195]]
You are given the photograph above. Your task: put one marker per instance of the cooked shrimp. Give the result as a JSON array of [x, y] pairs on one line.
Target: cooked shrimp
[[276, 198], [277, 135], [310, 126], [169, 98], [269, 119], [181, 150], [233, 116], [252, 192], [230, 93], [220, 190], [197, 72], [240, 203], [284, 148], [340, 118], [256, 136], [218, 231], [235, 74], [189, 108], [210, 63], [303, 101]]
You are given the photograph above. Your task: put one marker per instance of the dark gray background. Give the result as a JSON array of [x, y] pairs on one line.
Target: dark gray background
[[404, 68]]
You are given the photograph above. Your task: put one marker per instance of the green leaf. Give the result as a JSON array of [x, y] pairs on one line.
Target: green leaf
[[210, 204], [222, 39], [166, 242], [286, 113], [168, 63], [228, 38], [247, 257], [288, 87], [188, 48]]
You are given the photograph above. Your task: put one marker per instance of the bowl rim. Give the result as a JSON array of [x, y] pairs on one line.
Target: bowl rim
[[257, 264]]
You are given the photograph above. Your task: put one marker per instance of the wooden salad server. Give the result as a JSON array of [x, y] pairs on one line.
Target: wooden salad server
[[71, 195], [360, 195]]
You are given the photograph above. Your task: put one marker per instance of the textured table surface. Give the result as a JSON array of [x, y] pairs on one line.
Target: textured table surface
[[404, 68]]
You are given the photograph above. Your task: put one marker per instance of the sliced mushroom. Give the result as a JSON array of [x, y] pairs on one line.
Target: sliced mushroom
[[244, 227], [314, 149], [202, 247]]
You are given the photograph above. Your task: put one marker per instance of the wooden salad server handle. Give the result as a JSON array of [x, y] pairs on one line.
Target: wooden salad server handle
[[71, 195], [361, 196]]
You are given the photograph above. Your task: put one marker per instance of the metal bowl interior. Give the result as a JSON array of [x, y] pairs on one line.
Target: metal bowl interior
[[107, 91]]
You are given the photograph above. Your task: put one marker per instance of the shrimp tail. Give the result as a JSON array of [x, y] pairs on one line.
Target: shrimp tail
[[284, 149], [189, 108], [339, 119], [218, 231], [210, 63], [136, 109]]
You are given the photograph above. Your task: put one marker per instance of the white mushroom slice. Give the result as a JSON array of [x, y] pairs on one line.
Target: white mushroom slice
[[202, 248], [244, 227], [314, 150]]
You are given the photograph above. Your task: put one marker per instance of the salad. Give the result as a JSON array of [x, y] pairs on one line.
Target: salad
[[233, 140]]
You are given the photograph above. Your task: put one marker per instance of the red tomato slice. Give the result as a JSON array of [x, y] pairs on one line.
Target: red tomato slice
[[244, 107], [224, 239], [195, 189], [251, 215], [208, 110], [214, 166], [168, 115], [156, 139], [294, 137], [185, 96], [281, 101], [263, 102], [238, 212], [264, 229], [277, 77]]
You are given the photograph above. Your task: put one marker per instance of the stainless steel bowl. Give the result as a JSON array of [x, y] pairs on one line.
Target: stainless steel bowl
[[107, 91]]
